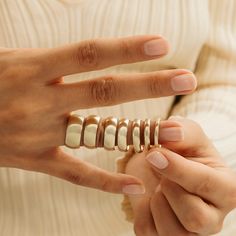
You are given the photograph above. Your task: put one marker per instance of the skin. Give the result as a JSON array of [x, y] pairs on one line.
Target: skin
[[190, 196], [35, 103]]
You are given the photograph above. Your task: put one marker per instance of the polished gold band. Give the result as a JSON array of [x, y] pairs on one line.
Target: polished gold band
[[156, 133], [110, 127], [74, 131], [122, 141], [90, 131], [136, 135]]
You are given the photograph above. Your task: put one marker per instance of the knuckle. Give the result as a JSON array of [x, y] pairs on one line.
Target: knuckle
[[19, 114], [106, 185], [17, 67], [218, 228], [204, 186], [104, 91], [13, 72], [155, 86], [74, 178], [125, 50], [197, 221], [231, 198], [87, 54]]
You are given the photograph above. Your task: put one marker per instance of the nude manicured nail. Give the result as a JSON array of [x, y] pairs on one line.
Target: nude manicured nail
[[172, 134], [157, 159], [133, 189], [176, 117], [156, 47], [183, 82]]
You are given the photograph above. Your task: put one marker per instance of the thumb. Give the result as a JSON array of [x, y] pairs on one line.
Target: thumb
[[62, 165], [195, 141]]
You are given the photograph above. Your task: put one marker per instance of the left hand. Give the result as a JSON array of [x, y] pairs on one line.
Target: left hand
[[196, 191]]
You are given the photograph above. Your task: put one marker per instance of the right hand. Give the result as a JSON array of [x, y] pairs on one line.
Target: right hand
[[189, 187], [35, 103]]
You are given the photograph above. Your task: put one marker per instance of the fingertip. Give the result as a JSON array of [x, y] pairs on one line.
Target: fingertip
[[157, 159], [176, 117], [172, 134], [132, 185], [185, 83], [156, 47], [133, 189]]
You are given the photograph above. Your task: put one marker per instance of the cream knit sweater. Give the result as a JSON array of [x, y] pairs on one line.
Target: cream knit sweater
[[202, 35]]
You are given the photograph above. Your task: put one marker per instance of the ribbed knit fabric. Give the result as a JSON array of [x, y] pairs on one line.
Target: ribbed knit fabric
[[202, 35]]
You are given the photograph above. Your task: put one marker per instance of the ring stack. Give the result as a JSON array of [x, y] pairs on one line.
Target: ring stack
[[94, 131]]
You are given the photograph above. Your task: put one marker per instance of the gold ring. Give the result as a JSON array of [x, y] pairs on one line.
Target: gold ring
[[110, 125], [74, 130], [90, 131], [147, 125], [122, 133], [136, 135], [157, 132]]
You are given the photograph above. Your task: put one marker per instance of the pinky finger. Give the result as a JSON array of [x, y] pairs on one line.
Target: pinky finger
[[62, 165]]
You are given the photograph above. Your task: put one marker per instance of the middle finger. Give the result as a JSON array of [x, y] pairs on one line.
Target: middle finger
[[112, 90], [194, 213], [165, 219]]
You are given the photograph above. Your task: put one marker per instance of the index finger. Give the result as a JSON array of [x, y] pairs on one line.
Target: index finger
[[194, 177], [100, 53]]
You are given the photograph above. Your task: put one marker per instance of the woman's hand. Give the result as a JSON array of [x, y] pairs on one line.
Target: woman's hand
[[35, 103], [195, 189]]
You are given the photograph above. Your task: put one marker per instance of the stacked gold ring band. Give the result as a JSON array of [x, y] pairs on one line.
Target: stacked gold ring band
[[94, 131], [110, 127], [122, 141]]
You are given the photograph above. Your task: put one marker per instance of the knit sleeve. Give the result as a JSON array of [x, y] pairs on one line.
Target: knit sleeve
[[213, 105]]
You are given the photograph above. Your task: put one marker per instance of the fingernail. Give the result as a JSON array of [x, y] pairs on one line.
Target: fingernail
[[183, 82], [157, 159], [133, 189], [156, 47], [173, 134], [176, 117]]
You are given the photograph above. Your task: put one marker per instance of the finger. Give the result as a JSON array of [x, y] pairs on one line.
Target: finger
[[112, 90], [193, 213], [195, 142], [143, 220], [195, 177], [59, 164], [165, 220], [100, 53]]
